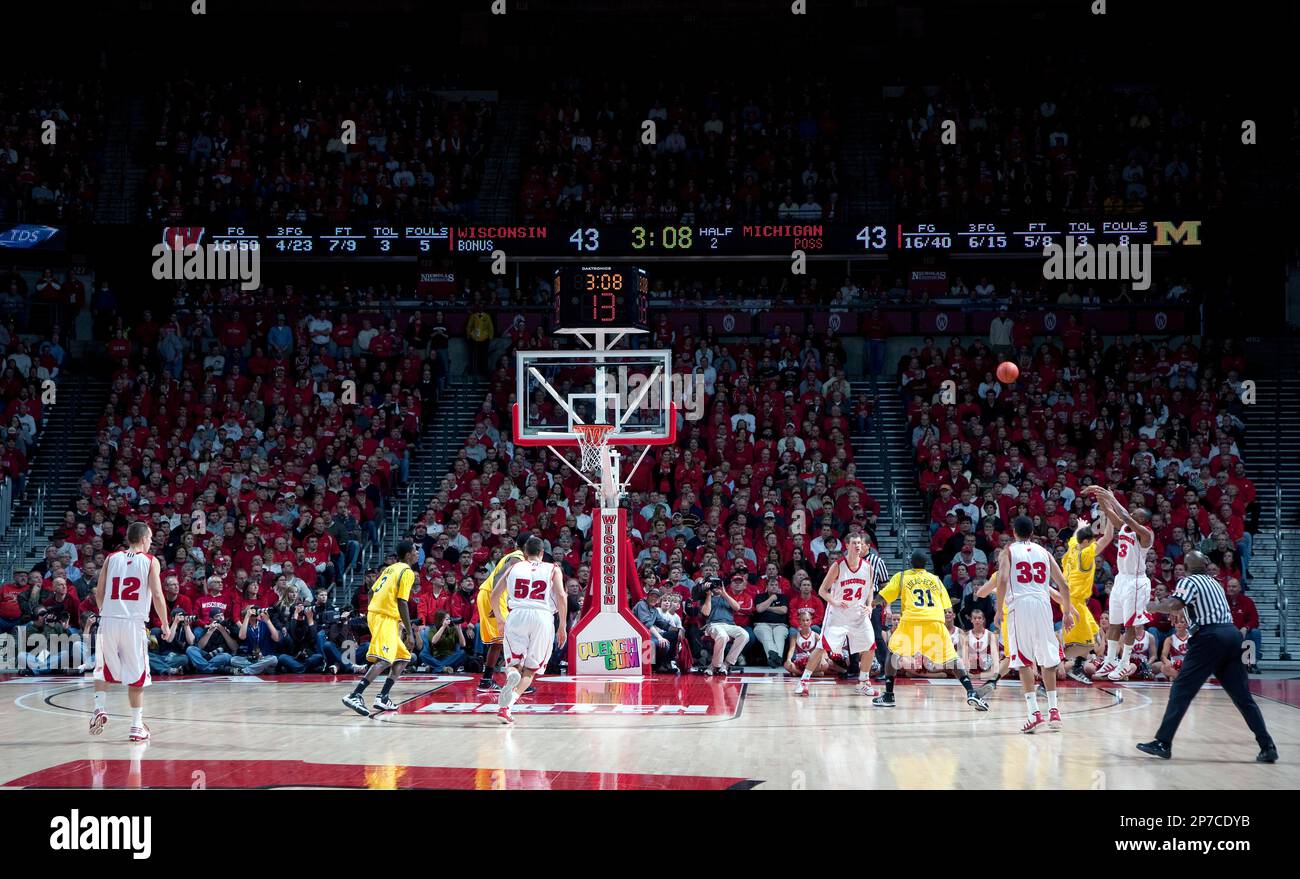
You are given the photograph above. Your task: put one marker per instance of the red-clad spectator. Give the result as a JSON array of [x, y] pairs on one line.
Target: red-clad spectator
[[215, 602], [805, 599], [12, 596], [174, 598]]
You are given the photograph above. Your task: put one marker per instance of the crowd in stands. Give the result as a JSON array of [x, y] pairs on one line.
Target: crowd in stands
[[257, 154], [1086, 149], [721, 153], [264, 153], [1160, 421], [51, 134], [33, 363], [264, 443]]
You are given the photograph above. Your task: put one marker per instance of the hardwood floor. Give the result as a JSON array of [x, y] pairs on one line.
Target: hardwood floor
[[664, 732]]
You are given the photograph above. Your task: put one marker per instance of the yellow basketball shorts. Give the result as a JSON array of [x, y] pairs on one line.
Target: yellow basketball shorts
[[928, 638], [386, 639], [490, 628], [1085, 627]]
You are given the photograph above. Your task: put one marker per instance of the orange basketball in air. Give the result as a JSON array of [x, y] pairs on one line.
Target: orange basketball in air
[[1007, 372]]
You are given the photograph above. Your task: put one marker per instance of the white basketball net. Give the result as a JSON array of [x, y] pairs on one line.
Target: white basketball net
[[591, 443]]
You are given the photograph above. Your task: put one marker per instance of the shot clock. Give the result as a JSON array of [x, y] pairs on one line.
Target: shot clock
[[601, 298]]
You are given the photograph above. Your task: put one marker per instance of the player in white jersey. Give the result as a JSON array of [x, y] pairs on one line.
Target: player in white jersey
[[1173, 649], [1033, 579], [980, 647], [128, 584], [1131, 591], [848, 589], [1144, 653], [799, 649], [534, 593]]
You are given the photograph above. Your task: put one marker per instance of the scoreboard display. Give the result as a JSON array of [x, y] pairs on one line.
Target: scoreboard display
[[602, 297], [666, 240]]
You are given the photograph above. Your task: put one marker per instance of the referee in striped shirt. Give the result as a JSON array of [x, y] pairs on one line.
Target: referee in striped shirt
[[1214, 649], [879, 579]]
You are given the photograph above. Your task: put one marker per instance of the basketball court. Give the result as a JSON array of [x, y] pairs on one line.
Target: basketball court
[[687, 732]]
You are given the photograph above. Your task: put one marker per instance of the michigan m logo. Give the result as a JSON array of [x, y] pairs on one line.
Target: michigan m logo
[[1190, 230]]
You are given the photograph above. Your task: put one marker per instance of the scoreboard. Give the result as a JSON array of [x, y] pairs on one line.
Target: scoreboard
[[669, 240]]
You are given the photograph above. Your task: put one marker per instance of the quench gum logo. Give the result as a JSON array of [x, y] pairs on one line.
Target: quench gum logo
[[618, 652]]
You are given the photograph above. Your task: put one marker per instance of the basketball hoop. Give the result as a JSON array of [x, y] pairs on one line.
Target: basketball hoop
[[591, 440]]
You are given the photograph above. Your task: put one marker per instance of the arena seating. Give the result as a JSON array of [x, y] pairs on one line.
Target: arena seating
[[264, 444], [40, 181], [257, 155], [1119, 151], [30, 361], [721, 153]]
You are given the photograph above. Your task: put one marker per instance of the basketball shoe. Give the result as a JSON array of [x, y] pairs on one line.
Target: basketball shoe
[[1107, 667], [1033, 724]]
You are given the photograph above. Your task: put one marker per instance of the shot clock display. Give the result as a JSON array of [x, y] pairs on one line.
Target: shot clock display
[[601, 298]]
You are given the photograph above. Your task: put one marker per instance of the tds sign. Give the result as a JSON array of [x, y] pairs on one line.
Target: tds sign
[[1189, 230]]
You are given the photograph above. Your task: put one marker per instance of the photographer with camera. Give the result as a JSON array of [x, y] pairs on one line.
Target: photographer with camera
[[47, 628], [215, 643], [718, 611], [167, 657], [259, 642], [58, 597], [442, 645], [334, 640], [298, 645]]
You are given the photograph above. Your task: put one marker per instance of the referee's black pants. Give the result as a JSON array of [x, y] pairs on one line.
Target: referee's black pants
[[1213, 650]]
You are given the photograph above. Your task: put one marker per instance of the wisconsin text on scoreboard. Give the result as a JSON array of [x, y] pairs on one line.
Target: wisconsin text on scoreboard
[[670, 240]]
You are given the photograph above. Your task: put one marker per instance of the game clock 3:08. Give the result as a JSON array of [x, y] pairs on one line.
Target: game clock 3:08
[[663, 238]]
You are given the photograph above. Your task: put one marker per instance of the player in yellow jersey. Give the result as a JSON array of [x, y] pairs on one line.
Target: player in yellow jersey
[[921, 630], [391, 638], [1079, 567], [492, 620]]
